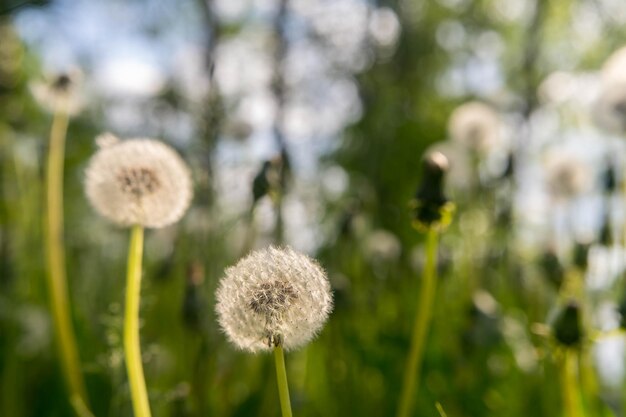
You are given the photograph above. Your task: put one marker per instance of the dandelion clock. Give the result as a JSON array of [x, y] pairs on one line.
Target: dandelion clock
[[274, 299], [139, 183]]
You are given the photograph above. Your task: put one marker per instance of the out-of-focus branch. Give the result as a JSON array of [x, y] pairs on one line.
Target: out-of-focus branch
[[530, 78], [532, 49], [279, 89], [213, 112]]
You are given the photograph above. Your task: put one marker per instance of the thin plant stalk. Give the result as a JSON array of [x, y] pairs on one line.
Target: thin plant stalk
[[281, 377], [569, 385], [132, 348], [55, 259], [420, 329]]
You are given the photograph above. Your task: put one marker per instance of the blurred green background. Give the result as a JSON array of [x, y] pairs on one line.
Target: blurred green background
[[351, 93]]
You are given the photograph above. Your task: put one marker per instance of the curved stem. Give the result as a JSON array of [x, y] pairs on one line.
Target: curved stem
[[55, 260], [132, 347], [569, 385], [281, 378], [420, 329]]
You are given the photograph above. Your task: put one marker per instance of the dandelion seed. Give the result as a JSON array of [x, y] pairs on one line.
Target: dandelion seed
[[138, 182], [60, 93], [273, 296], [475, 125]]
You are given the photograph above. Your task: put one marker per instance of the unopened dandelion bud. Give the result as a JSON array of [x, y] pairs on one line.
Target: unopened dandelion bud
[[430, 206], [581, 254], [272, 297], [621, 309], [434, 168], [138, 182], [567, 325], [261, 183], [606, 231], [552, 268], [609, 178]]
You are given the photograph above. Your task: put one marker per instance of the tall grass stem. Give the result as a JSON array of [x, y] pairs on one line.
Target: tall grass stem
[[55, 259], [132, 347], [421, 325]]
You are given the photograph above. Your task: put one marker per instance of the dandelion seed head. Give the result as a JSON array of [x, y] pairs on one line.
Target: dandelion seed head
[[475, 125], [273, 295], [138, 181], [60, 92], [566, 175]]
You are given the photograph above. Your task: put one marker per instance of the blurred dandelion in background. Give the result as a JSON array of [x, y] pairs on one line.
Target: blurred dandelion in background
[[61, 91], [475, 125]]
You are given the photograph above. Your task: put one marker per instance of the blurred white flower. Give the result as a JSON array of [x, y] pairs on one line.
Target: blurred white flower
[[566, 175], [273, 295], [382, 245], [474, 125], [614, 68], [138, 181], [610, 109], [60, 93], [557, 87], [384, 26]]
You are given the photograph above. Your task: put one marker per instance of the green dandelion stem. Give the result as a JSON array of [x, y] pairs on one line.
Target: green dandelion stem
[[132, 348], [55, 260], [569, 385], [281, 377], [420, 329]]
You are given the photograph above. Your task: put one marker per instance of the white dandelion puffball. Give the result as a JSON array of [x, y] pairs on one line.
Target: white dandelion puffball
[[61, 92], [138, 182], [475, 125], [566, 175], [273, 296]]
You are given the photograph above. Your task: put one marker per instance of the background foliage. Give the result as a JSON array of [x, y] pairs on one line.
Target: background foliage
[[352, 94]]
